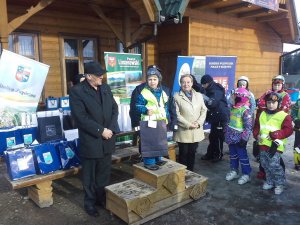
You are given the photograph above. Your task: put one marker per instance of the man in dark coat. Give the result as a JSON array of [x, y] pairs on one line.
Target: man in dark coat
[[96, 113], [217, 116]]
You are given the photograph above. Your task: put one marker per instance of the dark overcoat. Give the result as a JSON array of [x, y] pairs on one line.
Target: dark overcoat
[[92, 114]]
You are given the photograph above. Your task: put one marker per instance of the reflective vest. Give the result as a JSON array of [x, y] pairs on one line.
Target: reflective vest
[[159, 110], [269, 123], [236, 118]]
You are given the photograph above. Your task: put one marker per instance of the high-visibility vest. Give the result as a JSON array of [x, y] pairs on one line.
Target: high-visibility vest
[[236, 118], [270, 123], [159, 110]]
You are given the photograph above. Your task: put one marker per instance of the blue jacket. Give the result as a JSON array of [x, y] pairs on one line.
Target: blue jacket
[[218, 111], [135, 116]]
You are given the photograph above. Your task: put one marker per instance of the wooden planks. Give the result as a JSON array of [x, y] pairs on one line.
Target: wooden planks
[[135, 201]]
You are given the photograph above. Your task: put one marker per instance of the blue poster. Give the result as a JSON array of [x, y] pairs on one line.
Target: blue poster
[[184, 66], [222, 69]]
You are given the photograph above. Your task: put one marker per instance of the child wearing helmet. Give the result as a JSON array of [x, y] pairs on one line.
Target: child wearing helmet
[[154, 102], [278, 87], [237, 134], [243, 82], [296, 118], [285, 105], [271, 129]]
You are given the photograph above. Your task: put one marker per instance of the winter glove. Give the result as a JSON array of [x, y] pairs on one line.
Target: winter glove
[[273, 149], [242, 143]]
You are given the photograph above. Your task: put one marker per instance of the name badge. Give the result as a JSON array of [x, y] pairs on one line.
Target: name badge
[[152, 124]]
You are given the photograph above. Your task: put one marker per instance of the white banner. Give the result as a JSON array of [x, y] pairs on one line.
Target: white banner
[[21, 84]]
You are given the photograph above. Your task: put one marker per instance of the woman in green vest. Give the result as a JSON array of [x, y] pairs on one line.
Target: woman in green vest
[[271, 129]]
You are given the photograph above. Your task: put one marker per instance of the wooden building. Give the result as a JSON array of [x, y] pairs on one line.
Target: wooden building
[[65, 33]]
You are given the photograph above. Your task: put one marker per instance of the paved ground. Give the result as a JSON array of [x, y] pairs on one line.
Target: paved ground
[[225, 202]]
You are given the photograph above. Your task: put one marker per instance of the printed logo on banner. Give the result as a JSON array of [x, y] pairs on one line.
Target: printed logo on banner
[[27, 139], [50, 130], [70, 154], [10, 142], [23, 73], [47, 157], [112, 61]]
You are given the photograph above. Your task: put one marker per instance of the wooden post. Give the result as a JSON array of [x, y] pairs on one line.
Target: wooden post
[[41, 194], [3, 25]]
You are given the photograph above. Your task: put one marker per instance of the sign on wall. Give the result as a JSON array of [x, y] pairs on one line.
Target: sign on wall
[[221, 68], [21, 84], [269, 4], [124, 72]]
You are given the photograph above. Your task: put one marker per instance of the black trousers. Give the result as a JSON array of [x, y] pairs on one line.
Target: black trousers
[[216, 140], [95, 176], [187, 154]]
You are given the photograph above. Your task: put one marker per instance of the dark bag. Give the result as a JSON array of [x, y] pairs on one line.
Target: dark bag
[[154, 140], [46, 158], [20, 163], [49, 129], [255, 151], [68, 153]]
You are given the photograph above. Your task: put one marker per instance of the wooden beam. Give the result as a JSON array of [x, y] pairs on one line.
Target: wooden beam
[[3, 25], [126, 28], [273, 17], [231, 8], [205, 3], [254, 13], [101, 14], [137, 33], [17, 22], [150, 10]]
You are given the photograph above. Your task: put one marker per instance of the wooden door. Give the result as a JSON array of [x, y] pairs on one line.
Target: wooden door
[[168, 64]]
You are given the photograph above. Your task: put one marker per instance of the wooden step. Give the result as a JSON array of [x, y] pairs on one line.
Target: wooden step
[[137, 202], [171, 176]]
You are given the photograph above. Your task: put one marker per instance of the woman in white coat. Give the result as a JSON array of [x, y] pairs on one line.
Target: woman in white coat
[[191, 113]]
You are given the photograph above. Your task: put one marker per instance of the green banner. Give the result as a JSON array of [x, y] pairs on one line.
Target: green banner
[[124, 72]]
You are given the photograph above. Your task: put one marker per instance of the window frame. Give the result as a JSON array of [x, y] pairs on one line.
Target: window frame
[[80, 57], [36, 43]]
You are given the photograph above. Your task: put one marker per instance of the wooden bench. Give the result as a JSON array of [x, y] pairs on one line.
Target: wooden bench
[[40, 186]]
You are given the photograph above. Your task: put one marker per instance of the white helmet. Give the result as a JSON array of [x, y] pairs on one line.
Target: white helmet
[[243, 78], [278, 77]]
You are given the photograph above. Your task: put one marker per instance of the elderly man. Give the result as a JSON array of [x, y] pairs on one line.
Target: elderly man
[[96, 113]]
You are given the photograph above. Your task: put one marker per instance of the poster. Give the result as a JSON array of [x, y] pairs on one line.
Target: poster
[[124, 72], [21, 84], [222, 69], [269, 4]]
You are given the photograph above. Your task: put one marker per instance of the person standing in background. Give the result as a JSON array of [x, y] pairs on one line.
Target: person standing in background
[[285, 105], [191, 113], [271, 130], [217, 116], [96, 115], [296, 118], [237, 134]]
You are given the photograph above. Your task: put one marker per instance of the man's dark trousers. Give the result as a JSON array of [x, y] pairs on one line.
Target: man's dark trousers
[[95, 176], [216, 140]]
